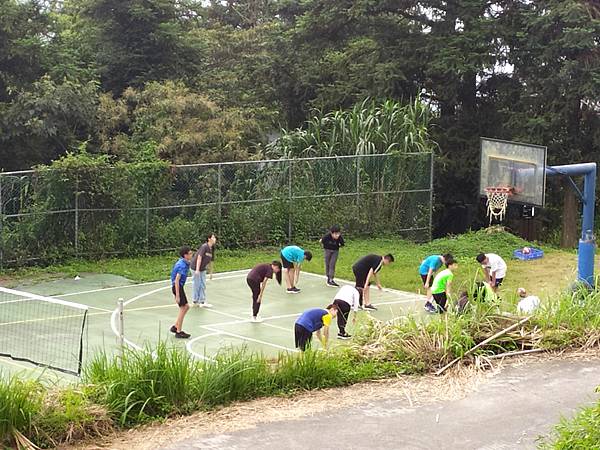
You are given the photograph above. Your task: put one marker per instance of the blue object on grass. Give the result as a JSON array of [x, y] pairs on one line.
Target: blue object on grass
[[535, 253]]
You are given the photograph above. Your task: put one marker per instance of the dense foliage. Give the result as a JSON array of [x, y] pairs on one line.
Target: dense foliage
[[213, 80]]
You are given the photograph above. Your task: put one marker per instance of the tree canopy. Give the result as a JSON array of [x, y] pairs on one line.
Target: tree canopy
[[192, 81]]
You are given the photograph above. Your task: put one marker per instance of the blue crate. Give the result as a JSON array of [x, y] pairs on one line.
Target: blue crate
[[535, 253]]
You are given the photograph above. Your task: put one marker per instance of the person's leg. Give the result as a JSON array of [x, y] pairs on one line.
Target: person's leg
[[202, 286], [359, 282], [302, 337], [288, 272], [440, 299], [196, 288], [328, 263], [255, 288], [342, 317], [332, 263]]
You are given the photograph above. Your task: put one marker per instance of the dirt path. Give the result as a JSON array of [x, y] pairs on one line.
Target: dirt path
[[506, 408]]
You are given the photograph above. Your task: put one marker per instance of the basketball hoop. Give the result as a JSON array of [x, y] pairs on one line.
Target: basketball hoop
[[497, 201]]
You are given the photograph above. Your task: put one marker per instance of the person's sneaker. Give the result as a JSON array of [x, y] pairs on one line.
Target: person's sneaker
[[256, 320], [293, 291], [334, 284], [371, 307], [205, 305], [344, 336], [173, 329], [296, 289], [330, 283], [361, 307], [430, 308], [182, 335]]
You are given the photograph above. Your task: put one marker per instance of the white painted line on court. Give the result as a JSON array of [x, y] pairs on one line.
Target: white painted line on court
[[149, 283], [191, 342], [245, 338], [241, 319]]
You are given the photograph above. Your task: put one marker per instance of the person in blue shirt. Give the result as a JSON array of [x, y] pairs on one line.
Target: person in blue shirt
[[292, 257], [427, 269], [179, 275], [311, 321]]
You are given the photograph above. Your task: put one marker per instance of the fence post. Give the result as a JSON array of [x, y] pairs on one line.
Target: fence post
[[431, 196], [290, 197], [1, 227], [357, 179], [219, 200], [76, 242], [147, 221]]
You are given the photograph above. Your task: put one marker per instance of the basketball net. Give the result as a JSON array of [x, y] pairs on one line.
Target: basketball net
[[497, 202]]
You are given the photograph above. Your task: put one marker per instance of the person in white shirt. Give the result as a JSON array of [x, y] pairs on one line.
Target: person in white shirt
[[494, 269], [528, 303], [346, 299]]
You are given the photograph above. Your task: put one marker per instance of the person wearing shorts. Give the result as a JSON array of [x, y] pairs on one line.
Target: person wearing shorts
[[292, 257], [494, 269], [364, 270], [312, 321], [346, 299], [442, 283], [427, 269], [257, 282], [179, 275]]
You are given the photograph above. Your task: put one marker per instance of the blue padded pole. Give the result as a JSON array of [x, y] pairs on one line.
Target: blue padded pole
[[587, 242]]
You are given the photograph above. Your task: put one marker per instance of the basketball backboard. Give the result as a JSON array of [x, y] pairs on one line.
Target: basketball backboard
[[521, 167]]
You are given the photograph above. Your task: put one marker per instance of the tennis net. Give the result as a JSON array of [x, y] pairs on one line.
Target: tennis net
[[42, 330]]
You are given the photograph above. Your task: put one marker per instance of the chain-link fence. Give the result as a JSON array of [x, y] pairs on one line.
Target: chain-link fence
[[51, 214]]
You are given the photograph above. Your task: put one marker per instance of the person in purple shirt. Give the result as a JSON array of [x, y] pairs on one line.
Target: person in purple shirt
[[257, 281], [179, 275]]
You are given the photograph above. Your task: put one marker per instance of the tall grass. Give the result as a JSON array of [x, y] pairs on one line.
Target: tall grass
[[20, 402]]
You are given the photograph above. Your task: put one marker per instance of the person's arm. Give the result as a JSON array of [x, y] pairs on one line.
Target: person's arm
[[325, 336], [296, 273], [198, 262], [486, 273], [342, 243], [448, 289], [211, 270], [177, 288], [262, 290], [492, 278], [428, 280], [377, 282]]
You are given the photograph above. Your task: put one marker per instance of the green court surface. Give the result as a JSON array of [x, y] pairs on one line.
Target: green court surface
[[150, 311]]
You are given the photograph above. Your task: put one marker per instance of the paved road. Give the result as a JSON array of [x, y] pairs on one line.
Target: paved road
[[509, 411]]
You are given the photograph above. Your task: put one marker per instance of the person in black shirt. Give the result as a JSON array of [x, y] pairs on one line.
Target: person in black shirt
[[366, 268], [331, 243]]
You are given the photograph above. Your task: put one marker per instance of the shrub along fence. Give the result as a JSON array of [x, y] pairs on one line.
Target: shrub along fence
[[88, 206]]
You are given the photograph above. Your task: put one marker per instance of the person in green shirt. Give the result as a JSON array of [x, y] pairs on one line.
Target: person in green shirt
[[442, 283]]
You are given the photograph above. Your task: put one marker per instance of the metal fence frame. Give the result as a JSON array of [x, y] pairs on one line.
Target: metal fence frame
[[76, 210]]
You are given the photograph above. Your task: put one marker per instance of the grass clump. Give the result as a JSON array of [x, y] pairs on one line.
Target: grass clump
[[582, 432]]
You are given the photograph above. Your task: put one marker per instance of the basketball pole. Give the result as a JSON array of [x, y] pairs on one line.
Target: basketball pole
[[587, 241]]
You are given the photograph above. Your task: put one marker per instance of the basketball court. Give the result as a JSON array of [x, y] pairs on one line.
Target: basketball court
[[149, 312]]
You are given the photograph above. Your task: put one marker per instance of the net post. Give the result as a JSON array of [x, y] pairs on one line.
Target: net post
[[121, 325], [431, 169], [219, 199], [147, 220], [1, 227], [76, 237]]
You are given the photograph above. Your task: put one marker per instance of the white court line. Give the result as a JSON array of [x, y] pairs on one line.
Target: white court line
[[191, 342], [241, 319], [287, 316], [113, 321], [245, 338], [148, 283]]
